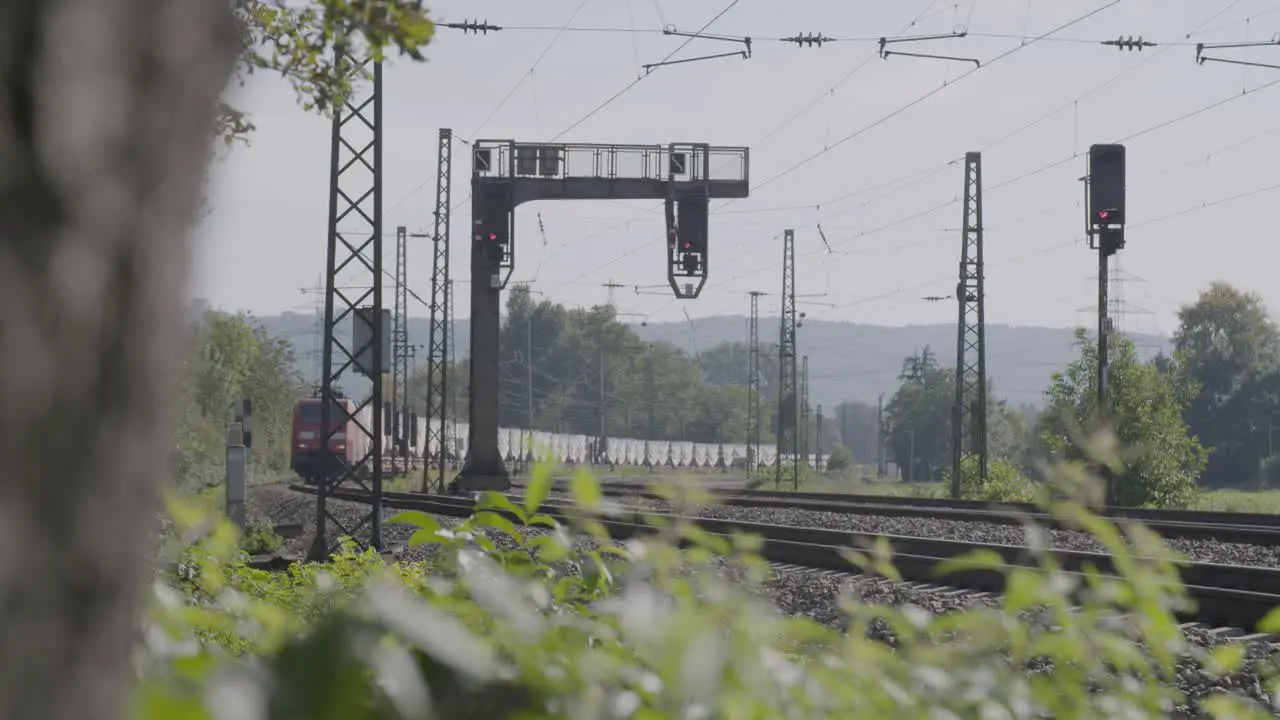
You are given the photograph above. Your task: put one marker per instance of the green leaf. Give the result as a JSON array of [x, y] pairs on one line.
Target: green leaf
[[974, 560], [426, 536], [488, 518], [417, 518], [1226, 658], [497, 501], [1271, 623], [154, 702], [586, 491], [550, 548], [538, 489]]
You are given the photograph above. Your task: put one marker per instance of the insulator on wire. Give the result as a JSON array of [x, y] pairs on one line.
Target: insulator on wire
[[473, 26], [1129, 43], [808, 39]]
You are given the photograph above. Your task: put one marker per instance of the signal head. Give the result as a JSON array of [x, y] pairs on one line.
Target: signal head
[[1109, 216]]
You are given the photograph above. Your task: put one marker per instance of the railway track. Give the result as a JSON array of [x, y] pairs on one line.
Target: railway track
[[1230, 595], [1243, 528]]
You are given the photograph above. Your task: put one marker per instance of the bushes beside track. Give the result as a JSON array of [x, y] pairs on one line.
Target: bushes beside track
[[547, 621]]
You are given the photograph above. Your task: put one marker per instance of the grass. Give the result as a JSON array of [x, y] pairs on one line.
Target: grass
[[854, 483], [1260, 501]]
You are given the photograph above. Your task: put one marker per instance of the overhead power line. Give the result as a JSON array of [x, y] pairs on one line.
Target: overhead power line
[[827, 247], [590, 114], [1061, 245], [528, 73], [886, 118], [778, 176], [941, 167]]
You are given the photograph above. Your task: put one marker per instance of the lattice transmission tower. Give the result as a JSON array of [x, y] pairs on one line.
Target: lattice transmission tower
[[400, 355], [436, 449], [803, 425], [969, 411], [787, 446], [753, 385], [355, 201]]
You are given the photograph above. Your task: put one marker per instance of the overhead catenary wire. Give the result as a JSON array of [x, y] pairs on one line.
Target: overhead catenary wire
[[1007, 136], [467, 139], [942, 169], [915, 215], [640, 78], [883, 119], [933, 283]]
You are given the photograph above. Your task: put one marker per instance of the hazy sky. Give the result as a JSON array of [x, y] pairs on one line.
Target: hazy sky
[[265, 241]]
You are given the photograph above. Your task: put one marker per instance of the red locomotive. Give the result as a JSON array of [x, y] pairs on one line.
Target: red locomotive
[[348, 444]]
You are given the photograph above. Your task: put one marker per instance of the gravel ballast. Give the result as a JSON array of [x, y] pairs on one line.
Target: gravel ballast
[[943, 529]]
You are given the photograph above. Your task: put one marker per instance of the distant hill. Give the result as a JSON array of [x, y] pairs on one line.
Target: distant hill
[[847, 361]]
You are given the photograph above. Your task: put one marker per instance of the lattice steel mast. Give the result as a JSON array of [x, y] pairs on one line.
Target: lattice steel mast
[[438, 345], [355, 199], [787, 446], [969, 411], [400, 355], [451, 331], [753, 385], [803, 425]]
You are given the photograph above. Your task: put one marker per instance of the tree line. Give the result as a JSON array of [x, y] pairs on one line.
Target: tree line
[[1204, 416], [581, 370]]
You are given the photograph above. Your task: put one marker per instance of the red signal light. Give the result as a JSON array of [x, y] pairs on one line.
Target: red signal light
[[687, 245], [1102, 214], [493, 236]]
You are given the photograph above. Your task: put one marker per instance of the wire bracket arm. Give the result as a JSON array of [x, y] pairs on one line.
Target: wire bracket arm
[[885, 52], [1201, 58], [745, 53]]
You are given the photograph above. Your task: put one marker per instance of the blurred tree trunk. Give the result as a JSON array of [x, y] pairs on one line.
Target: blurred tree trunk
[[106, 111]]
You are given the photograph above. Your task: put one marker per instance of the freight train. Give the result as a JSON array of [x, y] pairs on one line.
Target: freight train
[[350, 445]]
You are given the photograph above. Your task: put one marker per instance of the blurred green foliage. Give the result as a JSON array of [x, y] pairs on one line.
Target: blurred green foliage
[[536, 619]]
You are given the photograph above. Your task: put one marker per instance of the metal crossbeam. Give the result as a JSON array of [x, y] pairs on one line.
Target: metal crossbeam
[[969, 412], [355, 201]]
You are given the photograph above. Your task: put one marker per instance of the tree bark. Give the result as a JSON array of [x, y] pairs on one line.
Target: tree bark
[[106, 110]]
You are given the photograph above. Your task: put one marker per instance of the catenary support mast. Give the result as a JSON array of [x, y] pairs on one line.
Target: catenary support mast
[[753, 386], [354, 251], [788, 448], [969, 409], [436, 452], [400, 356]]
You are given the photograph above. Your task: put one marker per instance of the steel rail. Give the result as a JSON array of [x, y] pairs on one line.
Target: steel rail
[[716, 485], [1243, 528], [1232, 595]]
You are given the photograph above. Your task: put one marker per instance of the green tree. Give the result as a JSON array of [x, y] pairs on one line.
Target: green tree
[[1247, 434], [856, 424], [1224, 340], [1008, 437], [553, 356], [296, 41], [1165, 460], [918, 418], [235, 358]]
